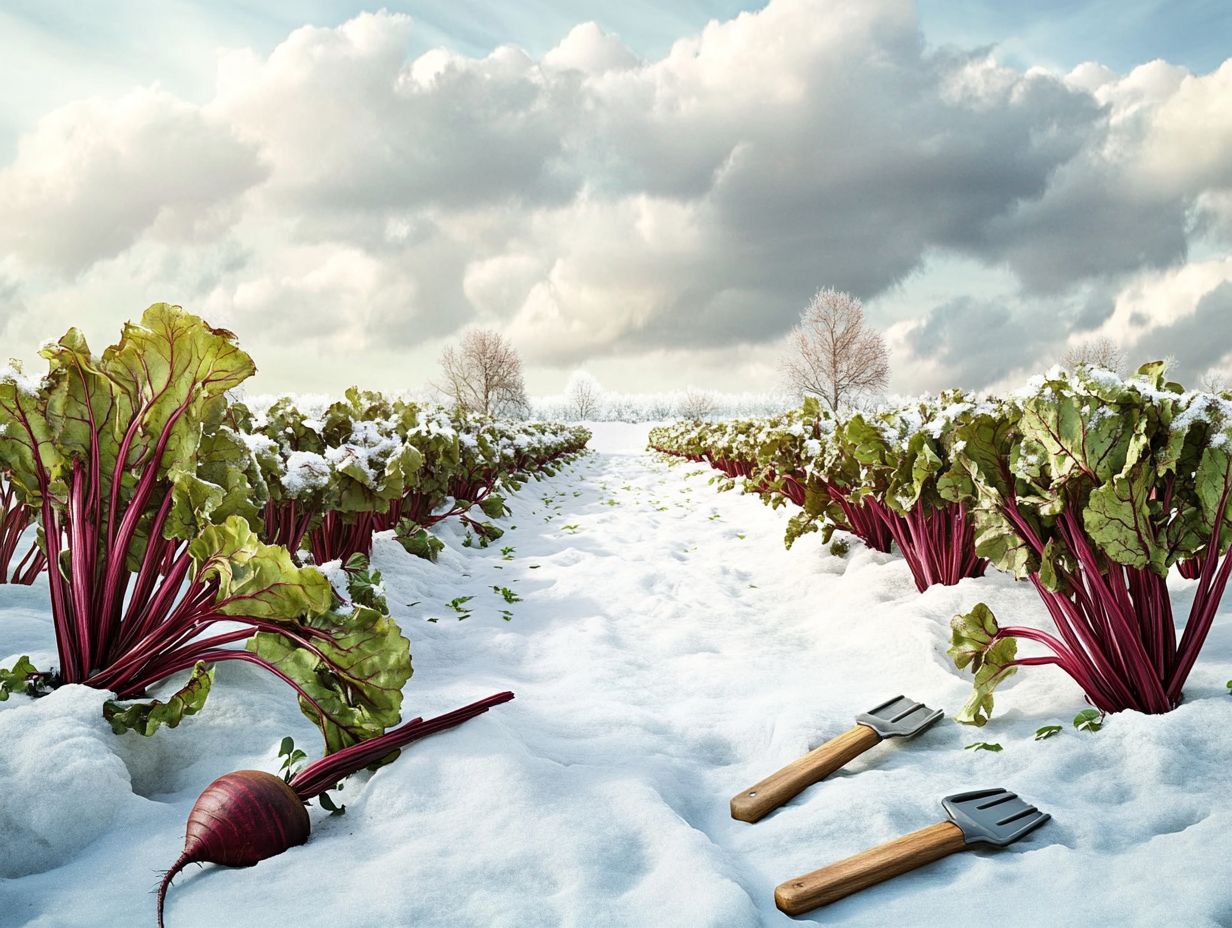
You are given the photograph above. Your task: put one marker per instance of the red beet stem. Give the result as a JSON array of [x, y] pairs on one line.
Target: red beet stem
[[322, 775]]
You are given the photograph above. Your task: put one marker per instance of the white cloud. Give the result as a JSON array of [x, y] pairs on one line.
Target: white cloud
[[597, 206], [589, 49], [96, 175]]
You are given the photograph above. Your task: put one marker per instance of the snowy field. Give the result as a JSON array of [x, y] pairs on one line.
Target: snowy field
[[666, 652]]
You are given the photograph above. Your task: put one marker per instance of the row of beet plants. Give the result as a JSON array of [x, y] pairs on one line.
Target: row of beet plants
[[1088, 486], [177, 528], [369, 463], [885, 477]]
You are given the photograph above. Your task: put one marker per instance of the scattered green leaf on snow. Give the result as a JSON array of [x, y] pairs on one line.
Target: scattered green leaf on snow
[[507, 594], [458, 605], [983, 746], [1047, 732], [1089, 720]]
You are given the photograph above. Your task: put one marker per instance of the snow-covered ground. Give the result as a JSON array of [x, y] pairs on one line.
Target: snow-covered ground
[[666, 652]]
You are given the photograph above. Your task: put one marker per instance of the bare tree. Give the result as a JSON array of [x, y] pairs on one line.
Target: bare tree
[[1215, 381], [1096, 352], [582, 395], [833, 354], [484, 374], [695, 404]]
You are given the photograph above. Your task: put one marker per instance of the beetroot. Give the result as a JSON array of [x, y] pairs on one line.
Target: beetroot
[[245, 817], [241, 819]]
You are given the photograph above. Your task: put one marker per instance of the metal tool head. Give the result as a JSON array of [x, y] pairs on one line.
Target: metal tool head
[[992, 816], [899, 717]]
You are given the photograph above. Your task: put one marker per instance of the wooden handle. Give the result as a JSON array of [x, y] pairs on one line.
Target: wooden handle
[[821, 887], [758, 801]]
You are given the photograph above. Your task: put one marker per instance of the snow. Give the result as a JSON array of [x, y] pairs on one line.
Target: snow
[[258, 443], [26, 385], [668, 652], [306, 472]]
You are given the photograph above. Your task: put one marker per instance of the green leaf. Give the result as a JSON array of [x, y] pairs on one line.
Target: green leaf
[[984, 746], [971, 636], [356, 678], [171, 359], [997, 539], [328, 805], [364, 584], [986, 441], [1089, 720], [1047, 731], [25, 436], [1118, 520], [493, 506], [955, 486], [225, 461], [487, 532], [20, 678], [193, 502], [507, 594], [1213, 480], [417, 540], [1079, 436], [974, 643], [255, 579], [293, 757], [145, 718]]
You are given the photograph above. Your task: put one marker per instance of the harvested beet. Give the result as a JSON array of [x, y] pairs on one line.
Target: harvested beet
[[244, 817], [241, 819]]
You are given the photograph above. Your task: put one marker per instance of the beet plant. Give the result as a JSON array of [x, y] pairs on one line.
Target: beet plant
[[908, 480], [146, 503], [330, 472], [1092, 488]]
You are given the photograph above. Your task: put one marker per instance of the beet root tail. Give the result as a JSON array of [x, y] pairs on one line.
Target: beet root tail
[[162, 887]]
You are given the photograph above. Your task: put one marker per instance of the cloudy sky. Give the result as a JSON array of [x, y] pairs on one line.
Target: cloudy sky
[[649, 195]]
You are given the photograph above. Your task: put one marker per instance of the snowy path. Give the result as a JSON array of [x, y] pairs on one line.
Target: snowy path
[[666, 651]]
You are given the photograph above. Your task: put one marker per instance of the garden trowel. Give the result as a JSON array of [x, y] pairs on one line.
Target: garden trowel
[[900, 717], [984, 816]]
